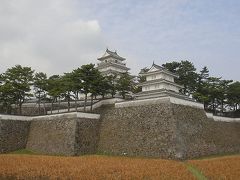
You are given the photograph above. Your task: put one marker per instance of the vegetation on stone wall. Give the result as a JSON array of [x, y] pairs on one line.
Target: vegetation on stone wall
[[16, 84], [217, 95]]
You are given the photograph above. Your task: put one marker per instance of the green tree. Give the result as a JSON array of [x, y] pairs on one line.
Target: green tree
[[20, 80], [40, 87], [112, 84], [97, 85], [202, 91], [77, 84], [172, 66], [54, 89], [68, 87], [88, 76], [124, 84], [213, 92], [187, 75], [104, 86], [223, 88], [139, 79], [233, 95], [7, 97]]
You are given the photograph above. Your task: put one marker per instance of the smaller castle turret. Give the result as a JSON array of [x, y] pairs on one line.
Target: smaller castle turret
[[159, 82]]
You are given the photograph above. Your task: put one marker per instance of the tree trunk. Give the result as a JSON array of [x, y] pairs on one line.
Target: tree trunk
[[58, 104], [44, 106], [68, 102], [39, 103], [75, 102], [20, 108], [91, 103], [214, 108], [85, 102], [222, 106], [52, 106], [185, 89]]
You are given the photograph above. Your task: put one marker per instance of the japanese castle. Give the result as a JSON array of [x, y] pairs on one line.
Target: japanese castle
[[111, 63], [159, 83]]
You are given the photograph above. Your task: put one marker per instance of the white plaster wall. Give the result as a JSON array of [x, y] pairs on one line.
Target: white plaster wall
[[96, 105], [224, 119], [186, 102], [112, 68], [160, 86], [49, 117], [142, 102], [12, 117], [159, 100], [160, 76], [88, 115], [165, 76]]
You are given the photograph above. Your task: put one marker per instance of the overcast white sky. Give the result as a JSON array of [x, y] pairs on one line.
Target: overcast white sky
[[56, 36]]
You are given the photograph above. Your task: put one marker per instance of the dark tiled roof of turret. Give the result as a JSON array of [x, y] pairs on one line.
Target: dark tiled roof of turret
[[157, 66], [145, 71], [111, 53]]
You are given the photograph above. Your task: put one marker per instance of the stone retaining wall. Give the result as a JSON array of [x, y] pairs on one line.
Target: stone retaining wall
[[162, 129], [13, 135], [201, 136], [138, 131], [165, 130], [64, 135], [87, 136], [56, 136]]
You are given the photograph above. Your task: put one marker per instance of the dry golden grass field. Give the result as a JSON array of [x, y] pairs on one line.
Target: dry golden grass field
[[14, 166], [227, 167]]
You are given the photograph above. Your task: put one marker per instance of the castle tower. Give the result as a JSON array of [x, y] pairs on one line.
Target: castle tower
[[159, 83], [111, 63]]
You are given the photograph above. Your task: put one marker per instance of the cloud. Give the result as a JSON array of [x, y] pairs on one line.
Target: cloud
[[202, 31], [57, 36], [47, 35]]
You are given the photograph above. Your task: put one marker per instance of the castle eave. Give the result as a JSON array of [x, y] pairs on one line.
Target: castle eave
[[113, 65], [158, 81], [159, 72]]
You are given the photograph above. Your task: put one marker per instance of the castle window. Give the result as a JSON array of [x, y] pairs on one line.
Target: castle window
[[153, 76]]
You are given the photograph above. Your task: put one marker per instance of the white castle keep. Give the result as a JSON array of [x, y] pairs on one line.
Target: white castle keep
[[111, 63], [159, 81]]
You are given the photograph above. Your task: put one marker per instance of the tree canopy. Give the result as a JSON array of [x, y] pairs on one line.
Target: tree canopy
[[19, 83]]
